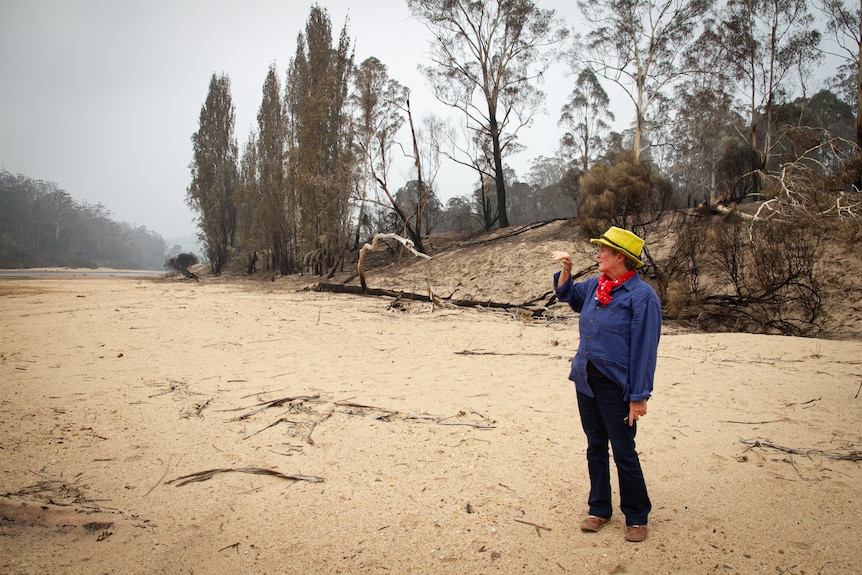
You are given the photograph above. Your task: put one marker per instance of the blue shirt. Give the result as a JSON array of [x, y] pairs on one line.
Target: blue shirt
[[619, 339]]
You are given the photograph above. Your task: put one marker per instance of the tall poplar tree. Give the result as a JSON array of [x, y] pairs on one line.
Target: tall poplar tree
[[275, 201], [214, 174], [319, 141]]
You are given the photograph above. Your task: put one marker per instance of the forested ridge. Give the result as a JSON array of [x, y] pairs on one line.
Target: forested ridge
[[744, 133], [41, 225]]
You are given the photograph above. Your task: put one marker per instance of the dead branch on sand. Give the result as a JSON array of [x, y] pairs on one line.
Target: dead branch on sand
[[195, 409], [362, 406], [854, 455], [480, 425], [273, 424], [56, 492], [477, 352], [204, 475], [294, 400]]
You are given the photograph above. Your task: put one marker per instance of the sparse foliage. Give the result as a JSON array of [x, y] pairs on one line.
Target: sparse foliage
[[741, 277], [770, 47], [486, 59], [845, 26], [379, 102], [640, 45]]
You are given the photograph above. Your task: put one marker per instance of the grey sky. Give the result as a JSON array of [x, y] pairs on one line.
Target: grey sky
[[102, 96]]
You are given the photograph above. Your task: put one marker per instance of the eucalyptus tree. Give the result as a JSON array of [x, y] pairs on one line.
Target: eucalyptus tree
[[214, 173], [320, 158], [844, 23], [586, 117], [640, 45], [379, 102], [277, 205], [486, 57], [769, 45]]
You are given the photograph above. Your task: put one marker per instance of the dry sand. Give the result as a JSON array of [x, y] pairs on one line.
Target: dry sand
[[468, 459]]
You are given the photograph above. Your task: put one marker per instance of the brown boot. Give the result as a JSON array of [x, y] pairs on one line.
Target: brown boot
[[636, 533], [593, 523]]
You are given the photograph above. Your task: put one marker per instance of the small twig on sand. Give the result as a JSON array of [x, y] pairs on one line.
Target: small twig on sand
[[446, 421], [480, 352], [536, 525], [804, 402], [162, 478], [308, 438], [468, 424], [234, 545], [753, 422]]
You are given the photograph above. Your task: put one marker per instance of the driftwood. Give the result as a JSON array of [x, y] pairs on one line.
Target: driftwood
[[373, 247], [204, 475], [854, 455]]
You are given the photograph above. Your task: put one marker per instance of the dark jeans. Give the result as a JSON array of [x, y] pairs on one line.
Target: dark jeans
[[602, 418]]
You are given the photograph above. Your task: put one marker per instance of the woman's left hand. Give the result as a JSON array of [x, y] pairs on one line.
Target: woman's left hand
[[637, 409]]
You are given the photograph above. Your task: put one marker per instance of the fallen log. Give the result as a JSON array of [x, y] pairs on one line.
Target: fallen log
[[357, 290]]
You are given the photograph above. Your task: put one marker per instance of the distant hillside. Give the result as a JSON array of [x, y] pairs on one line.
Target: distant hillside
[[43, 226]]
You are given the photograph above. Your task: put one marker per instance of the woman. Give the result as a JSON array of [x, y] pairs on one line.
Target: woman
[[613, 370]]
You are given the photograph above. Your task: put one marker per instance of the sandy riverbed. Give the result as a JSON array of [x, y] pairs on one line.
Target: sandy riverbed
[[467, 456]]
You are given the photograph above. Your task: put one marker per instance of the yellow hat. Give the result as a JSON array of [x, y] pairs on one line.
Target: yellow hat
[[624, 242]]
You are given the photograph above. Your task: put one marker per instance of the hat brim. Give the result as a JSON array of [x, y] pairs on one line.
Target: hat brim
[[620, 249]]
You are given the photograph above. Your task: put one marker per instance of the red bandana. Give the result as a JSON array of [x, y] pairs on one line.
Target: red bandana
[[606, 284]]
